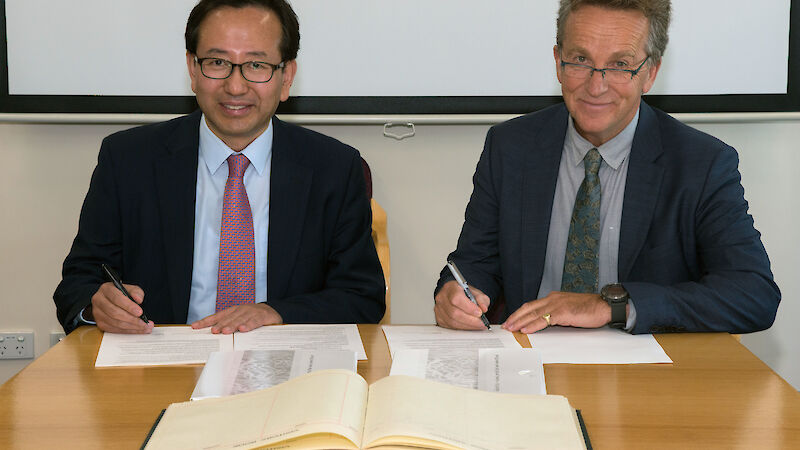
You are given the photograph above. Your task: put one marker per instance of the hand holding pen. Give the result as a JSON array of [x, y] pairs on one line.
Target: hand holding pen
[[462, 282], [116, 313]]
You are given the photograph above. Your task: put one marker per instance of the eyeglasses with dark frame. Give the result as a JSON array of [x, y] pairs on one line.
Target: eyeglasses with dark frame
[[612, 75], [252, 71]]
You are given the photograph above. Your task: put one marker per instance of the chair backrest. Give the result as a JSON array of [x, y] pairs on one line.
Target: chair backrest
[[381, 240], [367, 177]]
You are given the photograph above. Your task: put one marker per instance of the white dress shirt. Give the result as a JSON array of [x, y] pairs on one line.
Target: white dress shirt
[[212, 175]]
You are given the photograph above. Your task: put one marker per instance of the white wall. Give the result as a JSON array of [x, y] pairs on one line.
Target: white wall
[[422, 182]]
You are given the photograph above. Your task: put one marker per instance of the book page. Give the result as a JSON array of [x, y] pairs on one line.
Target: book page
[[432, 337], [165, 345], [401, 406], [302, 337], [230, 373], [320, 403]]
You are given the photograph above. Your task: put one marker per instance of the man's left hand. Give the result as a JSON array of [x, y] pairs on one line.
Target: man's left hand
[[240, 318], [565, 308]]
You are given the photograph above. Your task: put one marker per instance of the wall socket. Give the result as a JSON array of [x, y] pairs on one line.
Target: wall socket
[[56, 337], [16, 345]]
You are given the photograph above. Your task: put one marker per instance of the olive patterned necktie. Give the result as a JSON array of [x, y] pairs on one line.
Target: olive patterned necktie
[[581, 260]]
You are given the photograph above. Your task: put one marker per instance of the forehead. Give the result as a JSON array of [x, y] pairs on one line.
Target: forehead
[[605, 31], [249, 29]]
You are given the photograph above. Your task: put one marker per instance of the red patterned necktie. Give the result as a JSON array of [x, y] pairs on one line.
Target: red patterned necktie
[[236, 282]]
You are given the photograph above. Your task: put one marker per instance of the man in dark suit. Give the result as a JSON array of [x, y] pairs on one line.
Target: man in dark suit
[[603, 210], [226, 218]]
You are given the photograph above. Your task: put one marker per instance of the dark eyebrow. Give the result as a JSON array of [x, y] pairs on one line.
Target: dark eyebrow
[[220, 52]]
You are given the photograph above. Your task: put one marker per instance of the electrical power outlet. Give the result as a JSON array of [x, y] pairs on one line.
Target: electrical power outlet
[[56, 337], [16, 345]]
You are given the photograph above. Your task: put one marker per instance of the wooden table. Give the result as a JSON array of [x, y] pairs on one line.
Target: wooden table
[[716, 395]]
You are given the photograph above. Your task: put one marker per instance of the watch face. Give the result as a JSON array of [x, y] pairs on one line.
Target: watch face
[[614, 292]]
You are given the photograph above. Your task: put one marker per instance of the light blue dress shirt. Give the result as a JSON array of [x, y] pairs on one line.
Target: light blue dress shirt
[[212, 175], [613, 175]]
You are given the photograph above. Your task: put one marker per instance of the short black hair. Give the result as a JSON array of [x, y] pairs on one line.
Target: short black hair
[[290, 37]]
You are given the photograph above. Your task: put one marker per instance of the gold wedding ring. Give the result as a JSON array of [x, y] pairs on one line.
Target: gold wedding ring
[[546, 318]]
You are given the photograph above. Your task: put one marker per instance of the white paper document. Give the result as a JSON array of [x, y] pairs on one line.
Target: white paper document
[[596, 346], [507, 370], [183, 345], [303, 337], [228, 373], [165, 345], [433, 337]]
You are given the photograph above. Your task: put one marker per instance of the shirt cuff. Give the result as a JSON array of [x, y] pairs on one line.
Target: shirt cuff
[[631, 317], [80, 320]]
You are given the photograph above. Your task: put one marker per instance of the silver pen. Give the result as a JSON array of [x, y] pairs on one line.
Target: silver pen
[[463, 283]]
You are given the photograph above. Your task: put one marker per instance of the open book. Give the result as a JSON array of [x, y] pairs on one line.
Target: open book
[[336, 409]]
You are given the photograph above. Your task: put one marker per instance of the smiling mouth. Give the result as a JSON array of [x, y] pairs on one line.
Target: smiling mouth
[[595, 105], [234, 107]]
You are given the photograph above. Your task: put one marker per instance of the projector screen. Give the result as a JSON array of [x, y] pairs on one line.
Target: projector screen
[[388, 56]]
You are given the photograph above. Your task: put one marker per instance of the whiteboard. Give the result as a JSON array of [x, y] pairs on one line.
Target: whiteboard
[[391, 49]]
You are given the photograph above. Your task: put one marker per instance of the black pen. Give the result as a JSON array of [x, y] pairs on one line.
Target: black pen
[[463, 283], [115, 279]]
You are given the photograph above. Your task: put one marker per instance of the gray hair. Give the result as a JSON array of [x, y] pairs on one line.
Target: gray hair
[[657, 12]]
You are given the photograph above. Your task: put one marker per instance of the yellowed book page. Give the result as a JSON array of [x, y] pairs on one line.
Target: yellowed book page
[[466, 418], [330, 401], [322, 441]]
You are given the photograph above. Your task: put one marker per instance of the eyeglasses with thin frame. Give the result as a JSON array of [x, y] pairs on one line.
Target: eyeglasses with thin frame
[[610, 74], [252, 71]]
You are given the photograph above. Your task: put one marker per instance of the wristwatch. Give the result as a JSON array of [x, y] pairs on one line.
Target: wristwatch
[[617, 298]]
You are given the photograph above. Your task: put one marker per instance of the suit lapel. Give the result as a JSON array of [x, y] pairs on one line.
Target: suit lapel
[[542, 160], [641, 190], [290, 186], [176, 184]]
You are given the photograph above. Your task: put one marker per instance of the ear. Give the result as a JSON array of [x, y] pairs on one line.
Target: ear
[[652, 71], [194, 70], [289, 71], [557, 58]]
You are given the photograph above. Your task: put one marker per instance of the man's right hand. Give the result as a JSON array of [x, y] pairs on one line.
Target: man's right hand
[[454, 310], [115, 313]]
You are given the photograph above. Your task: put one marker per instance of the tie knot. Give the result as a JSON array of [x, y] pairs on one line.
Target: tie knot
[[237, 164], [592, 160]]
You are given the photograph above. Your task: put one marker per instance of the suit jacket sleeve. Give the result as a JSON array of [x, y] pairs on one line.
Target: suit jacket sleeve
[[352, 286], [98, 241], [477, 254], [735, 291]]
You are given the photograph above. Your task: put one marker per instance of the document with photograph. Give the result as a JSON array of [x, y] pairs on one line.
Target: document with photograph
[[507, 370], [229, 373], [401, 337]]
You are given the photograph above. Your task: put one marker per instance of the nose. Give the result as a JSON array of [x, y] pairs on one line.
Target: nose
[[597, 84], [236, 84]]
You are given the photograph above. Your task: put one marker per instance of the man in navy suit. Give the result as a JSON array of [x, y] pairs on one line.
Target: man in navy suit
[[604, 211], [155, 203]]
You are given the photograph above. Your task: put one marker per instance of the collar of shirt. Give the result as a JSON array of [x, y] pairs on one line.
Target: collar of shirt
[[214, 152], [613, 152]]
